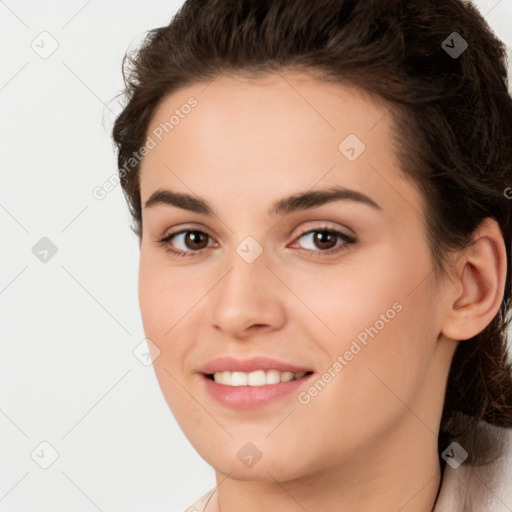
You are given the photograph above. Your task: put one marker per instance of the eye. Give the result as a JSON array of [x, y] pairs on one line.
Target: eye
[[191, 240], [326, 240], [194, 241]]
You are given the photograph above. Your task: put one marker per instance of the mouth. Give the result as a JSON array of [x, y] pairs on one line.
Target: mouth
[[256, 378], [257, 389], [248, 383]]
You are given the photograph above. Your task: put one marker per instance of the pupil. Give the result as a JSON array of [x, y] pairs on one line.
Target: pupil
[[322, 239], [194, 238]]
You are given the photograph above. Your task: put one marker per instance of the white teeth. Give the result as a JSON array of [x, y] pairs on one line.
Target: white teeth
[[256, 378], [239, 379]]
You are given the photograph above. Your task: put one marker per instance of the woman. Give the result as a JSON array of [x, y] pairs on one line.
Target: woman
[[319, 191]]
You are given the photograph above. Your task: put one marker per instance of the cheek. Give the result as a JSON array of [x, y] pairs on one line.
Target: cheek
[[164, 296], [377, 325], [168, 300], [377, 370], [163, 302], [152, 300]]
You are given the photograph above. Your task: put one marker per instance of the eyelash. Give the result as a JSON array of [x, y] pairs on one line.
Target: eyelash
[[347, 242]]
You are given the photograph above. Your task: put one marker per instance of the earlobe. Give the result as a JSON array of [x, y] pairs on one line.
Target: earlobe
[[479, 286]]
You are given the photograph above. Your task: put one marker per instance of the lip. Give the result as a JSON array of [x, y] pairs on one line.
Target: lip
[[232, 364], [251, 397]]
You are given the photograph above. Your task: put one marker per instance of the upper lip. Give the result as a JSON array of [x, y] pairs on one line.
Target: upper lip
[[232, 364]]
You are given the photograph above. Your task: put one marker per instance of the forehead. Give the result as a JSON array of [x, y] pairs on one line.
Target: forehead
[[259, 107], [285, 131]]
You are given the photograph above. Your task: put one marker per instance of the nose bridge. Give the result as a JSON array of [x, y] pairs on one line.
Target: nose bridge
[[247, 294], [248, 268]]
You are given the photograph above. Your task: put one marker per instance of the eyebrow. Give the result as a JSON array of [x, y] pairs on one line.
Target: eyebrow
[[296, 202]]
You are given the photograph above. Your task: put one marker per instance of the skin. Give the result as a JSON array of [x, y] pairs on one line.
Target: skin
[[368, 440]]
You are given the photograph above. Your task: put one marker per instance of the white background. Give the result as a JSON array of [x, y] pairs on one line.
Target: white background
[[69, 325]]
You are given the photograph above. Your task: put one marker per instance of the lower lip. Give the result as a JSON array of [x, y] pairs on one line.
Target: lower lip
[[251, 397]]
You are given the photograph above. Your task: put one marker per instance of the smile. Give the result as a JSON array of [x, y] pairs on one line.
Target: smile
[[256, 378]]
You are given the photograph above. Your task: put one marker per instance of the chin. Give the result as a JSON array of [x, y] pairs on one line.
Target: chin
[[269, 468]]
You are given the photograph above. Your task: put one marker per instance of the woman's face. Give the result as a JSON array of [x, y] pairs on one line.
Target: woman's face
[[340, 285]]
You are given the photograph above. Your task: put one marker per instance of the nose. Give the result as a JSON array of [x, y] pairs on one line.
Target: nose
[[247, 299]]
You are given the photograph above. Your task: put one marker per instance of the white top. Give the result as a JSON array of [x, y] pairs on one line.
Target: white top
[[485, 488]]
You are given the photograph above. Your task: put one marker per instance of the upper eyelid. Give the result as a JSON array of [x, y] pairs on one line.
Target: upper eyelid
[[324, 225]]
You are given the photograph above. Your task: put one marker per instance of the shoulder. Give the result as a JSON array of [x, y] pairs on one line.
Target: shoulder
[[201, 503], [485, 487]]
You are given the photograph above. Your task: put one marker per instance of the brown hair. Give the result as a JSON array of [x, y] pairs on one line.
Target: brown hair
[[452, 120]]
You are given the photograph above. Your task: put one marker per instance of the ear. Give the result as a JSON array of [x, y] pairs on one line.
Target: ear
[[476, 291]]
